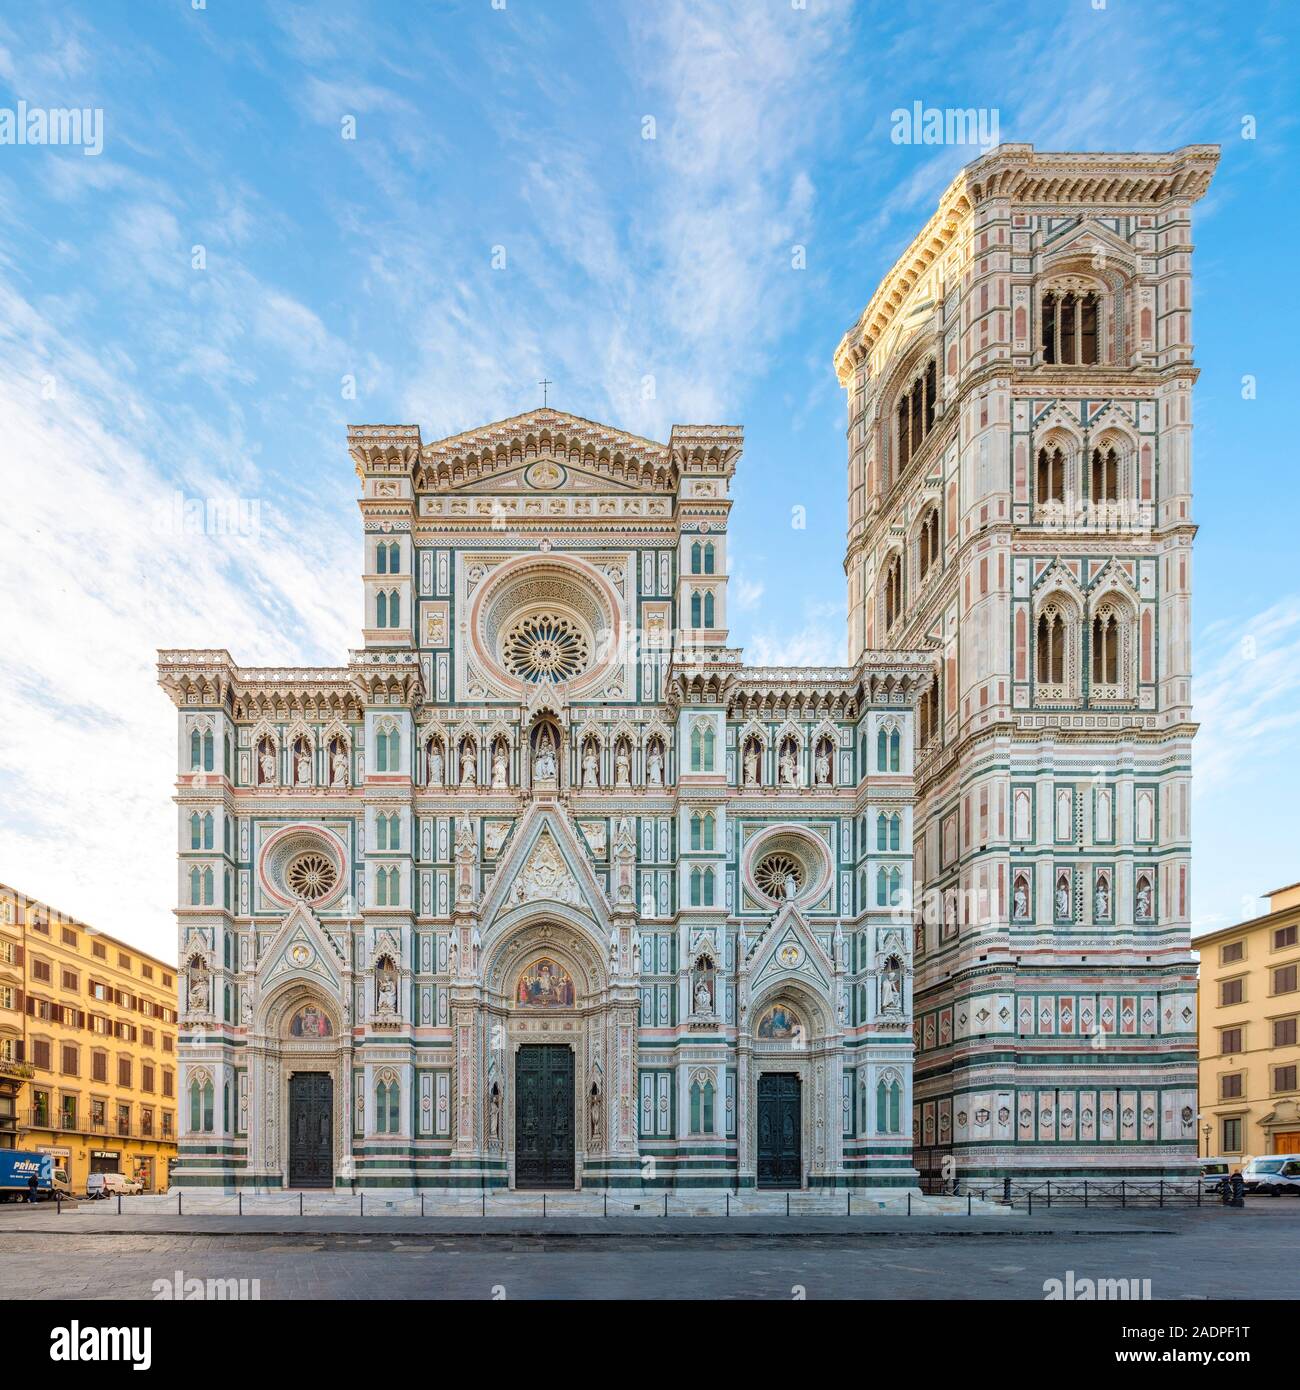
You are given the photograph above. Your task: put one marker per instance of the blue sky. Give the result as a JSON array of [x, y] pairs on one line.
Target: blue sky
[[134, 367]]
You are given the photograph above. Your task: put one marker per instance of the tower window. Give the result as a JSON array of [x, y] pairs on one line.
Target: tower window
[[1070, 328]]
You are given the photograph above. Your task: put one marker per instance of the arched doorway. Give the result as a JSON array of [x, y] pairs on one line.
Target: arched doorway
[[550, 1035], [300, 1091]]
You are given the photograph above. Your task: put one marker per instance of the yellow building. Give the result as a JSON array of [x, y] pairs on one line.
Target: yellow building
[[1249, 1013], [87, 1046]]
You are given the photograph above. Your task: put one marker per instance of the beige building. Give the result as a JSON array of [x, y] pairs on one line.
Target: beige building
[[87, 1046], [1249, 1015]]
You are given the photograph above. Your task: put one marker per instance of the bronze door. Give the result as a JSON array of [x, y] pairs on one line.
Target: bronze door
[[311, 1143], [780, 1158], [544, 1123]]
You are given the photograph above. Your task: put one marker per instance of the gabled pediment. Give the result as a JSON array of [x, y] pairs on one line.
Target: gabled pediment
[[546, 450], [546, 862], [788, 950], [301, 949]]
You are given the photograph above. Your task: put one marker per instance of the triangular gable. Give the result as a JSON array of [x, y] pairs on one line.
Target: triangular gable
[[788, 950], [300, 949], [545, 861], [1085, 238]]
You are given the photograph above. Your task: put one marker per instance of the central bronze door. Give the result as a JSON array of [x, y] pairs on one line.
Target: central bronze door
[[311, 1126], [544, 1125], [780, 1160]]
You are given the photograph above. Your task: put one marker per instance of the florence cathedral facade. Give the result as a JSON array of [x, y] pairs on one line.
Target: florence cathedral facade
[[547, 888]]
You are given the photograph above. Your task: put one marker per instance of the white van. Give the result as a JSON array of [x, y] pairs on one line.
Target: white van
[[117, 1182]]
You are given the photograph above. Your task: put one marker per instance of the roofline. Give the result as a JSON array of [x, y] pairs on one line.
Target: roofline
[[86, 926]]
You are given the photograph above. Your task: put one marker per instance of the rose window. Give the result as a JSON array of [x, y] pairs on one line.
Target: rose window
[[311, 876], [774, 873], [545, 647]]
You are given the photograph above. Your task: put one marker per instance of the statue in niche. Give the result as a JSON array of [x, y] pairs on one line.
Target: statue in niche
[[1062, 899], [703, 1000], [494, 1114], [702, 996], [468, 765], [595, 1111], [1102, 903], [199, 993], [385, 990], [1020, 903], [751, 765], [823, 766], [891, 987], [500, 772], [622, 766], [613, 949], [791, 887], [266, 765], [590, 767], [1143, 900], [436, 764], [303, 766], [544, 762], [453, 954], [339, 767], [789, 767], [655, 766]]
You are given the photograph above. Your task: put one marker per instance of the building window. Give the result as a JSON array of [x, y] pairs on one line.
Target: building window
[[928, 555], [70, 980], [1232, 991], [702, 886], [202, 1097], [1232, 1136], [99, 1066], [70, 1061], [1070, 328], [1105, 474], [1284, 1032], [387, 1106], [1230, 1086], [1284, 980], [915, 413], [1051, 476], [68, 1112], [41, 1109], [1229, 1041], [702, 740], [889, 1096], [1284, 937], [41, 1054], [1105, 647], [888, 750], [1231, 951], [702, 1107], [69, 936], [1284, 1078], [702, 558], [124, 1119], [41, 971], [1051, 647], [893, 591]]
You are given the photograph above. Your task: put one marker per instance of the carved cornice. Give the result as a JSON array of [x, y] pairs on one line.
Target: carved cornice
[[1031, 180], [207, 678]]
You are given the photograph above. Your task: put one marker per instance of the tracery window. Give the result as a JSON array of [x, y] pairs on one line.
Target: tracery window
[[701, 1107], [893, 590], [388, 749], [1070, 322], [388, 558], [928, 550], [702, 886], [889, 1097], [1051, 475], [1106, 635], [889, 830], [702, 823], [388, 1102], [702, 608], [702, 557], [888, 750], [1056, 641], [201, 750], [915, 413], [388, 608], [1105, 474], [702, 741]]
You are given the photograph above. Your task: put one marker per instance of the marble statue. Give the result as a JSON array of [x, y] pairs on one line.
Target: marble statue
[[198, 993], [891, 992], [1143, 901], [304, 769], [622, 767], [751, 766], [468, 768], [499, 771], [1102, 904], [339, 769], [386, 995], [435, 765], [823, 768], [494, 1113], [789, 769], [267, 761], [590, 768], [791, 887], [655, 767], [544, 763], [594, 1110], [703, 999], [1062, 901]]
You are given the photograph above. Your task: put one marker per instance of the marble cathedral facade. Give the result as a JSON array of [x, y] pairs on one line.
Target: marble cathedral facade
[[547, 888], [1019, 420]]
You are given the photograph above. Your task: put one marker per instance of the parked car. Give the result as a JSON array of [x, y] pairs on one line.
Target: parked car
[[119, 1183], [1213, 1172], [17, 1167], [1271, 1177], [96, 1191]]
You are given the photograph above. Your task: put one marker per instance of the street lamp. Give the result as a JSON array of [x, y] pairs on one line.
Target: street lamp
[[1207, 1131]]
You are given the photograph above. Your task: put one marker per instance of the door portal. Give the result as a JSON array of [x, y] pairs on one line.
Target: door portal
[[311, 1127], [544, 1116], [780, 1159]]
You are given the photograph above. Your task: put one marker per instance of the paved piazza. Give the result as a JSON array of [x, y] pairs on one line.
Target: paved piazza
[[1187, 1254]]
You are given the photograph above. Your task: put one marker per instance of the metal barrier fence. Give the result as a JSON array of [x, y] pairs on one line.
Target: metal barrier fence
[[1087, 1192]]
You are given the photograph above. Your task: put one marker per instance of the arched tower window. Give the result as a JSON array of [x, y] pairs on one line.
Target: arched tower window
[[928, 553], [893, 590], [1071, 327], [1051, 475], [915, 413], [1105, 474]]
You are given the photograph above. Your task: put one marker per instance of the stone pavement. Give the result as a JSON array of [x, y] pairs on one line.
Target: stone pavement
[[1188, 1254]]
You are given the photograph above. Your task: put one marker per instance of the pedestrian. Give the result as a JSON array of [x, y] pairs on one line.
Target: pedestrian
[[31, 1188]]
